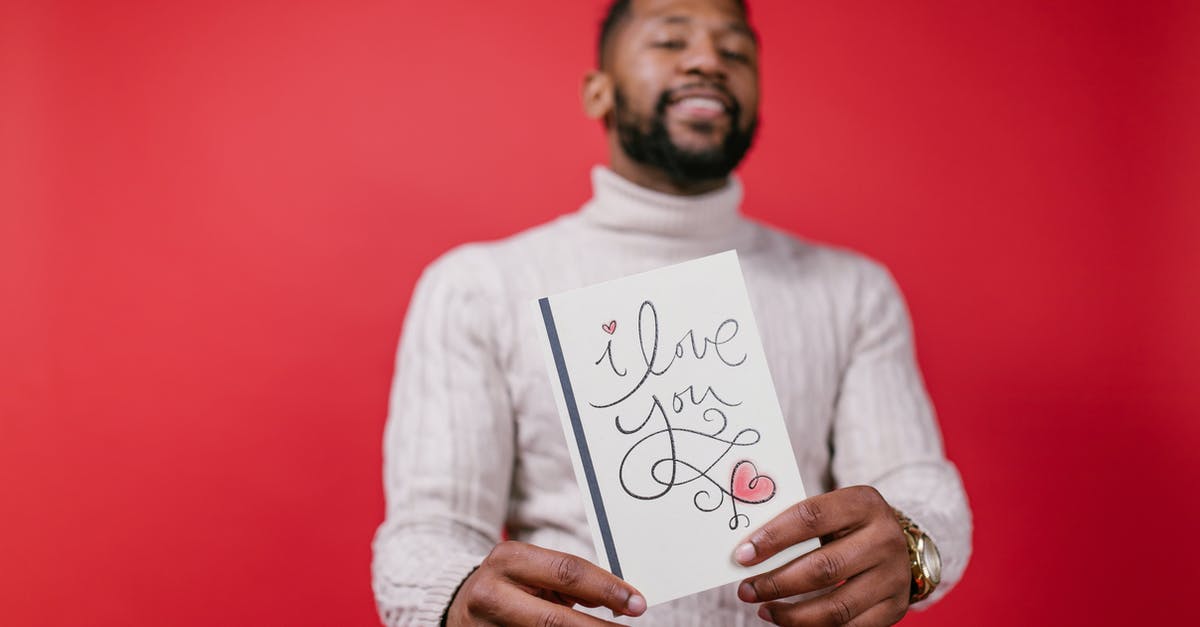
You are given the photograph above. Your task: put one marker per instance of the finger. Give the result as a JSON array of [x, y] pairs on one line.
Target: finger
[[519, 608], [884, 613], [552, 596], [833, 563], [838, 607], [566, 599], [571, 576], [824, 515], [572, 601]]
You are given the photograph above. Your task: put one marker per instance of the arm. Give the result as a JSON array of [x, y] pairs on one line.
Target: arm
[[448, 448], [885, 438], [448, 460], [885, 433]]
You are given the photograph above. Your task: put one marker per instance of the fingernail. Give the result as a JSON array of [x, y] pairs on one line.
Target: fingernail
[[744, 553], [636, 604], [746, 592], [765, 614]]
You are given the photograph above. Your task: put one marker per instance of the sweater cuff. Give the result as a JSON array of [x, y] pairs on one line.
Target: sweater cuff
[[442, 587]]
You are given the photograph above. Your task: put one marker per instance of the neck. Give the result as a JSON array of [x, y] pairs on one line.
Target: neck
[[619, 204]]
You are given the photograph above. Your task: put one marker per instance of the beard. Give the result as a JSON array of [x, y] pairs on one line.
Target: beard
[[647, 141]]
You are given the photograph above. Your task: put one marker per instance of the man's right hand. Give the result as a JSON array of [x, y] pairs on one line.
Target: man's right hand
[[522, 584]]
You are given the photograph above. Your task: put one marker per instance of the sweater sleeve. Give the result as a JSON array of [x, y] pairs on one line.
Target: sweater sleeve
[[448, 446], [885, 433]]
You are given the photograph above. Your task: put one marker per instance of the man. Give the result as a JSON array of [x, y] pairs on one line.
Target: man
[[474, 444]]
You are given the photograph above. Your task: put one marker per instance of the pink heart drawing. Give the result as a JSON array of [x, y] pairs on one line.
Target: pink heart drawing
[[610, 327], [750, 487]]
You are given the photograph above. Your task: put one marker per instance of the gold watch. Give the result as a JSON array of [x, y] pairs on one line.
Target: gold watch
[[923, 557]]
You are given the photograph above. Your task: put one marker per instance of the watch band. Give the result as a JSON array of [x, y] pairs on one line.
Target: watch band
[[925, 577]]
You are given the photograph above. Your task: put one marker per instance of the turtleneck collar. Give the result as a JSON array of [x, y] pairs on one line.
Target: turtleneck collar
[[619, 204]]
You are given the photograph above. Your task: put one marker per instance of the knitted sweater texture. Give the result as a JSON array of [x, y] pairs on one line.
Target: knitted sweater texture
[[474, 445]]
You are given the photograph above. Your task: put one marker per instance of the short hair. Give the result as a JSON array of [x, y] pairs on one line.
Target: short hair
[[618, 12]]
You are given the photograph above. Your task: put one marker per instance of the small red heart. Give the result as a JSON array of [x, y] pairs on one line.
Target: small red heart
[[610, 327], [750, 487]]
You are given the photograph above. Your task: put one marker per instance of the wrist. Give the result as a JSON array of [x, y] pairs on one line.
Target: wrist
[[454, 595]]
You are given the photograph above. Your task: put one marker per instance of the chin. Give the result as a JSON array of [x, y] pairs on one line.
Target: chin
[[692, 143]]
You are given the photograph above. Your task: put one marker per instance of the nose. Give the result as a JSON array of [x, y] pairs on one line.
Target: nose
[[703, 57]]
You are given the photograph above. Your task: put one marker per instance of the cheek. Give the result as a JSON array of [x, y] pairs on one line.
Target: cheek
[[748, 115], [643, 85], [749, 104]]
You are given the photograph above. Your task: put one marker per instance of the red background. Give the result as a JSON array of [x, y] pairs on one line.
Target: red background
[[213, 214]]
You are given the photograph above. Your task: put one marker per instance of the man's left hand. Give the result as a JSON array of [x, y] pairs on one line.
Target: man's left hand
[[863, 553]]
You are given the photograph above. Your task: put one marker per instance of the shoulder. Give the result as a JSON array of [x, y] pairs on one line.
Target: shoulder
[[483, 263], [456, 275], [838, 268], [481, 255]]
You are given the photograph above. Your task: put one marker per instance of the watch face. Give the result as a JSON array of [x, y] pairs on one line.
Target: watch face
[[931, 560]]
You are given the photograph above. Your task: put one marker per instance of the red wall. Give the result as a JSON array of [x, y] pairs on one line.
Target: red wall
[[213, 214]]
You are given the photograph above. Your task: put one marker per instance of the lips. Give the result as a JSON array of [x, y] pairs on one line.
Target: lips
[[701, 103], [701, 91]]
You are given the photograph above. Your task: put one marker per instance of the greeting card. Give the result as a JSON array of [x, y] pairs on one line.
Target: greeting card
[[672, 421]]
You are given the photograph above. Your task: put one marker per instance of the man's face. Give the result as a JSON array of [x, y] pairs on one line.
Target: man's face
[[685, 86]]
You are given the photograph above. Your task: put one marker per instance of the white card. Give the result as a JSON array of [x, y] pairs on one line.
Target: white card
[[678, 442]]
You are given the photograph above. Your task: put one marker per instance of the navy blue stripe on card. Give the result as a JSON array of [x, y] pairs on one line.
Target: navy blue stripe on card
[[580, 439]]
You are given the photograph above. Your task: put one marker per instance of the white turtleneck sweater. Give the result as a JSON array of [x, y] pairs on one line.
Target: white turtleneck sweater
[[474, 445]]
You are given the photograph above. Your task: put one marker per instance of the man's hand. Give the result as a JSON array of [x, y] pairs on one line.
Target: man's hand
[[863, 552], [522, 584]]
